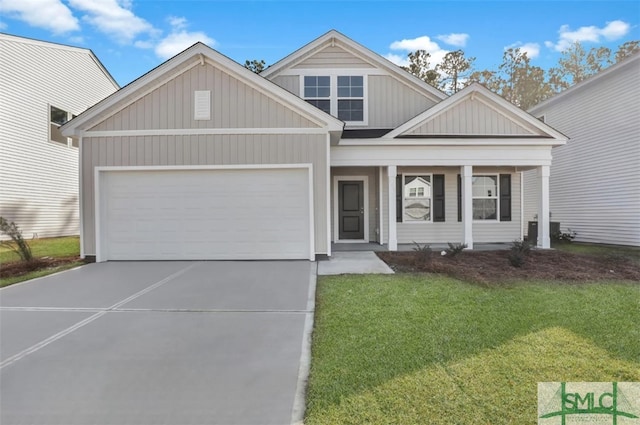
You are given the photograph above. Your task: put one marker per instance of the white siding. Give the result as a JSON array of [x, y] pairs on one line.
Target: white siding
[[290, 83], [392, 103], [39, 189], [595, 177]]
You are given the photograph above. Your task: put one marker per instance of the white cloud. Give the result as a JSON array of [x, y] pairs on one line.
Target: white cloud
[[179, 39], [3, 26], [113, 18], [419, 43], [52, 15], [612, 31], [454, 39], [397, 59], [531, 49]]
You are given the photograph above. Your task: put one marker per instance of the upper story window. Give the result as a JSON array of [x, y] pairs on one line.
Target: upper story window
[[58, 117], [342, 96]]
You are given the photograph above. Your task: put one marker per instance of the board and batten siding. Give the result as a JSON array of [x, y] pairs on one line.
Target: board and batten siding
[[205, 150], [290, 83], [451, 229], [39, 189], [595, 178], [234, 104], [470, 117], [336, 56]]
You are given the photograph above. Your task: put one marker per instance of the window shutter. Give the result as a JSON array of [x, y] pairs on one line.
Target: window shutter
[[505, 197], [398, 199], [438, 197], [459, 198]]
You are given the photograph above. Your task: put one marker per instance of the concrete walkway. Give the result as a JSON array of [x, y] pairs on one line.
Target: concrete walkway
[[354, 262]]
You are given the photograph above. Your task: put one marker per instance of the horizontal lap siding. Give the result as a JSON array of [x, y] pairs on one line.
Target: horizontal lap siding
[[206, 150], [392, 103], [595, 177], [234, 104], [39, 189]]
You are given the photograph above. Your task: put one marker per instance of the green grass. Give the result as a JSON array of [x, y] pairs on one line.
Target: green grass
[[49, 247], [431, 349], [630, 252]]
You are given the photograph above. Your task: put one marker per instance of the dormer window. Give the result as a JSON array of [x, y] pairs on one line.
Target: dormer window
[[342, 96]]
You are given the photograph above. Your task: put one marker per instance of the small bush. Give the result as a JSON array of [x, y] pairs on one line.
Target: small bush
[[455, 248], [516, 258], [568, 236], [19, 245], [523, 247], [423, 252]]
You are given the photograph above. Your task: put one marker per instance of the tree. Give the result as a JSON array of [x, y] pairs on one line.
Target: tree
[[454, 69], [256, 66], [489, 79], [576, 65], [420, 66], [627, 49], [18, 244]]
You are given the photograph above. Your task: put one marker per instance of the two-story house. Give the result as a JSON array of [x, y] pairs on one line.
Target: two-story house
[[42, 86], [202, 159]]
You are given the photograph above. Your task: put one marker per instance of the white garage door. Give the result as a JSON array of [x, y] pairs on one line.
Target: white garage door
[[205, 214]]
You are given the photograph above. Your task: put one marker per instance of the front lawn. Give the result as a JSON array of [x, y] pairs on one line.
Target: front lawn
[[417, 349], [51, 255]]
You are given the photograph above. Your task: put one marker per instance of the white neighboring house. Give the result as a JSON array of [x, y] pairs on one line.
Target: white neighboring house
[[43, 85], [595, 178]]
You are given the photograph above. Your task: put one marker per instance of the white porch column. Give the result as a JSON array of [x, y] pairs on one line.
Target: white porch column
[[466, 174], [543, 208], [392, 172]]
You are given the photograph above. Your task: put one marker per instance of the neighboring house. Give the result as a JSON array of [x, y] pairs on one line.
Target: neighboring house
[[203, 159], [595, 177], [42, 86]]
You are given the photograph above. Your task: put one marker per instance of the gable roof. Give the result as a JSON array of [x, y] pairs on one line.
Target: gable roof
[[628, 62], [523, 124], [169, 69], [64, 47], [334, 37]]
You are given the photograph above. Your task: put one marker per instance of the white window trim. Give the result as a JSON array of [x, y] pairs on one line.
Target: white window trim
[[430, 199], [336, 223], [49, 123], [497, 198], [333, 82]]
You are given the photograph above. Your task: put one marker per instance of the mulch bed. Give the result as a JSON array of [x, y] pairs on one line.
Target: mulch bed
[[489, 267], [18, 268]]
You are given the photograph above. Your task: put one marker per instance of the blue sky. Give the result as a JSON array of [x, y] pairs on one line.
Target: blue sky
[[131, 37]]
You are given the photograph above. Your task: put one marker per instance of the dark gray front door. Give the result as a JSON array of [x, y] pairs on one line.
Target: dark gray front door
[[351, 209]]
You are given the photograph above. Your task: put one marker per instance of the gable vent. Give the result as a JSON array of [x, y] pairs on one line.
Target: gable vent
[[202, 110]]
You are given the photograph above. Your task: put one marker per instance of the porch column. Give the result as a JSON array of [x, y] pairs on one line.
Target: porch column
[[466, 175], [543, 208], [392, 172]]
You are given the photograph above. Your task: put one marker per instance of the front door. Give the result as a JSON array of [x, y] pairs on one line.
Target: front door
[[351, 209]]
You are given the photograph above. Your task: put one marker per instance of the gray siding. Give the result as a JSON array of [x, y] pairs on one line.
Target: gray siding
[[234, 104], [205, 150], [392, 103], [290, 83], [39, 189], [471, 117], [451, 229], [333, 57], [595, 177]]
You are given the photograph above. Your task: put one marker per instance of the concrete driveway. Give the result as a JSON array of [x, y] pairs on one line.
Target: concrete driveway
[[157, 343]]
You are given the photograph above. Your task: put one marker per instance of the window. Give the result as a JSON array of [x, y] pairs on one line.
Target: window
[[339, 95], [317, 91], [58, 117], [485, 197], [416, 205]]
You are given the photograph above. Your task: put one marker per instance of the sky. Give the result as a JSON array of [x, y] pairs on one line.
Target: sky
[[131, 37]]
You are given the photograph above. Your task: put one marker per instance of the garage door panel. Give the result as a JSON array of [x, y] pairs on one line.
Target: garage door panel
[[206, 214]]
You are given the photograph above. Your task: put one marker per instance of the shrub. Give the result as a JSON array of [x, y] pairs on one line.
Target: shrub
[[19, 245], [423, 252], [455, 248], [559, 236], [519, 249]]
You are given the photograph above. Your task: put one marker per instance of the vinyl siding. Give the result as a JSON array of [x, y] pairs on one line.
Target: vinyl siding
[[392, 103], [372, 176], [39, 189], [451, 229], [334, 57], [234, 104], [206, 150], [595, 177], [471, 117], [290, 83]]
